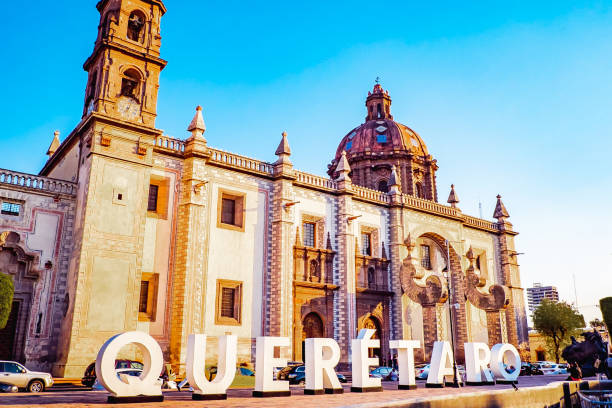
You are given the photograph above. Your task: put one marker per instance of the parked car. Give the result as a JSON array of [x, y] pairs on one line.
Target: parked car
[[13, 373], [384, 373], [281, 373], [421, 371], [297, 375], [89, 377], [134, 372], [552, 368], [212, 372], [530, 369]]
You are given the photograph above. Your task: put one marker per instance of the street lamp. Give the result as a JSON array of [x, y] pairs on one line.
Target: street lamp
[[447, 275]]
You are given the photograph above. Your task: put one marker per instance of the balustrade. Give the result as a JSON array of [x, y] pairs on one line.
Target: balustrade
[[37, 182]]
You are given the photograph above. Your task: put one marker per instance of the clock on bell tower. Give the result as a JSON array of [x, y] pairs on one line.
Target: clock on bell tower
[[125, 65]]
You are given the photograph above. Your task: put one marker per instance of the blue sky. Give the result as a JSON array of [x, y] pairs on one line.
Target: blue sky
[[511, 98]]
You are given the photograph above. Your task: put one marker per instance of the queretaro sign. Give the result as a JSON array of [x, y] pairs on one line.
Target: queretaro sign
[[483, 366]]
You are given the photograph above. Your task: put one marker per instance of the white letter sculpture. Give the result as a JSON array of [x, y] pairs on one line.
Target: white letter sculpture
[[405, 362], [362, 382], [265, 384], [477, 357], [441, 365], [196, 362], [497, 363], [322, 355], [146, 387]]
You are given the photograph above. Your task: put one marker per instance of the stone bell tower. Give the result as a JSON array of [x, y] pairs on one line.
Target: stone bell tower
[[125, 65], [111, 153]]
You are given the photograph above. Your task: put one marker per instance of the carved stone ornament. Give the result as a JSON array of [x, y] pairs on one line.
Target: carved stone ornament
[[431, 293], [495, 300]]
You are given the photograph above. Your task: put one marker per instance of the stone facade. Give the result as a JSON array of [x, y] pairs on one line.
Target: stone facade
[[174, 237]]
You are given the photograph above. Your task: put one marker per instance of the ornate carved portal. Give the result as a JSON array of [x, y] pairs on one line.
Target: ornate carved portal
[[20, 266], [313, 302]]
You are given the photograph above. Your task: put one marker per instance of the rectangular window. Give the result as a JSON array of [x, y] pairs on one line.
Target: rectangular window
[[425, 257], [153, 192], [228, 296], [147, 299], [230, 210], [144, 296], [10, 208], [229, 302], [309, 234], [381, 138], [366, 244]]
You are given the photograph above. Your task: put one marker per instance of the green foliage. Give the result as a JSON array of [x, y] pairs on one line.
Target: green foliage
[[606, 310], [557, 321], [7, 289]]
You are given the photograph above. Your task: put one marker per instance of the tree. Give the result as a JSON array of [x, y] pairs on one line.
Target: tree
[[557, 322], [596, 323], [7, 289], [605, 305]]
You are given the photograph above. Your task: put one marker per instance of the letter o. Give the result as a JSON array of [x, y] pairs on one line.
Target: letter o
[[147, 383], [497, 361]]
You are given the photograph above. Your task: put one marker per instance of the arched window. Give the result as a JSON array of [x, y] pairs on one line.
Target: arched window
[[378, 111], [382, 186], [136, 23], [419, 190], [130, 83], [91, 92], [371, 278], [315, 272]]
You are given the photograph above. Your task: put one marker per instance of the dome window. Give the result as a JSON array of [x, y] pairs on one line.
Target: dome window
[[415, 142], [349, 145], [381, 129], [381, 138], [352, 135], [382, 186]]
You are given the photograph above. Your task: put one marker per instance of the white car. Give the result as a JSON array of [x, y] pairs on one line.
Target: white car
[[549, 368], [16, 374]]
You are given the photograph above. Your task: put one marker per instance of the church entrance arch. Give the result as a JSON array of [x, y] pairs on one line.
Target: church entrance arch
[[19, 266], [312, 327], [372, 322]]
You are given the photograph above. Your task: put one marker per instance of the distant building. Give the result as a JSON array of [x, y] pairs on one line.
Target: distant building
[[536, 294]]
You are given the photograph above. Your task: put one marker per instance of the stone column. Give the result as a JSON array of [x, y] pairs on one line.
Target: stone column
[[280, 298], [396, 243], [345, 311], [188, 281]]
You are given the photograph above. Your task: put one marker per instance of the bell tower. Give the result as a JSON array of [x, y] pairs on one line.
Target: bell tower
[[125, 65]]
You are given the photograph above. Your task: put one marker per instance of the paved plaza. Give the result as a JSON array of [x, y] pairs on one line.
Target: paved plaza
[[242, 397]]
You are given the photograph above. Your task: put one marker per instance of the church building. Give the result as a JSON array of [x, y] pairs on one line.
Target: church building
[[125, 228]]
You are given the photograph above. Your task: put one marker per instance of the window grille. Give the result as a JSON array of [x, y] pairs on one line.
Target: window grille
[[309, 234], [228, 211], [11, 208], [366, 244], [227, 302], [152, 202], [425, 257], [144, 297]]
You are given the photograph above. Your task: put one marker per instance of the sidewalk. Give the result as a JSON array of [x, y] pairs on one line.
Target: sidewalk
[[243, 398]]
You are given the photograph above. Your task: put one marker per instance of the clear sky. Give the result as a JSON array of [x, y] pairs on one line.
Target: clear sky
[[511, 97]]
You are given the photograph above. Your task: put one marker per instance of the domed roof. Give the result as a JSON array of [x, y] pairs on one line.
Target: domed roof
[[380, 134]]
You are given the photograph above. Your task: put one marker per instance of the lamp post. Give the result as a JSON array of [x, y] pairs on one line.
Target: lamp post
[[447, 276]]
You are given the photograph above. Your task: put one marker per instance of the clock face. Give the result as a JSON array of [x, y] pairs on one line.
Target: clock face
[[128, 108]]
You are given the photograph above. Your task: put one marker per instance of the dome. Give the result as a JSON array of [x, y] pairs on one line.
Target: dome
[[380, 136], [380, 144]]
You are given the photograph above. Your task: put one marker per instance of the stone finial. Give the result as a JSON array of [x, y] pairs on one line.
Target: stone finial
[[453, 198], [329, 244], [470, 255], [343, 168], [394, 181], [283, 151], [409, 243], [55, 143], [197, 126], [298, 238], [500, 210]]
